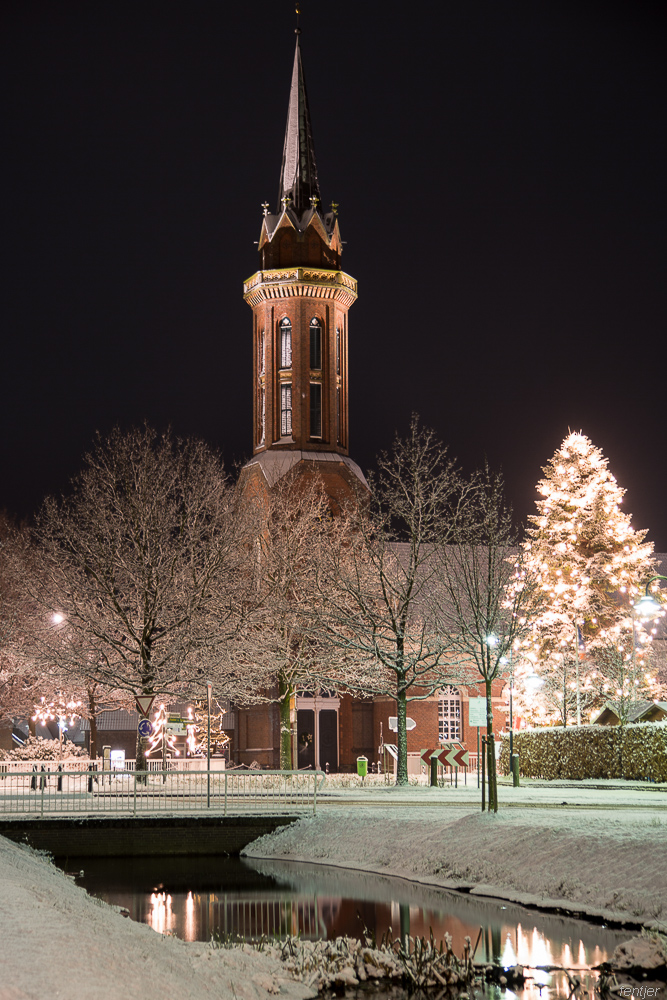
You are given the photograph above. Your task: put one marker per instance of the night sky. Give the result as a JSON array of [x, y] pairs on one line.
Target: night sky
[[500, 170]]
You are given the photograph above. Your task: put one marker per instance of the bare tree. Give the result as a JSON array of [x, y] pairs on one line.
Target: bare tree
[[483, 591], [19, 681], [297, 536], [377, 592], [142, 562]]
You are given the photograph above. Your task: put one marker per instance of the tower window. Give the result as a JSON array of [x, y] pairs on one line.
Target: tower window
[[315, 345], [338, 437], [285, 410], [337, 352], [261, 415], [315, 409], [449, 714], [285, 343], [260, 353]]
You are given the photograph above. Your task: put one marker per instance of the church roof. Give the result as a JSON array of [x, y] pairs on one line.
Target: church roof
[[298, 176]]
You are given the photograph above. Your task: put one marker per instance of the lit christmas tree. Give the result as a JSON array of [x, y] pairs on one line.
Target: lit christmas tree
[[591, 564], [197, 729]]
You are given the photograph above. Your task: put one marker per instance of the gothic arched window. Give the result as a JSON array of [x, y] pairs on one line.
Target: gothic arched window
[[449, 714], [315, 345], [285, 343]]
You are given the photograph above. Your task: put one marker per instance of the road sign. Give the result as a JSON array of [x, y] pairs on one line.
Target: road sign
[[145, 727], [456, 757], [393, 723], [477, 712], [449, 756], [144, 703]]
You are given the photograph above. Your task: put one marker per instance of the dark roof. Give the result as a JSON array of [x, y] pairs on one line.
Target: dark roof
[[298, 175]]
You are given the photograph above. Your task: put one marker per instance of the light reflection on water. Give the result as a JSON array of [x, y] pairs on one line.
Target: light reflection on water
[[199, 898]]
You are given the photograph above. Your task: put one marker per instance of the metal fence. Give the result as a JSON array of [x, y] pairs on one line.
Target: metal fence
[[229, 793]]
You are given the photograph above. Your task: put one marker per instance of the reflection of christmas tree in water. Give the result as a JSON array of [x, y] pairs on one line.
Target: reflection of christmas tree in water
[[197, 729]]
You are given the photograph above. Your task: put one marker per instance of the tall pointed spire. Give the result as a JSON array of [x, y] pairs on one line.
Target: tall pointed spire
[[298, 176]]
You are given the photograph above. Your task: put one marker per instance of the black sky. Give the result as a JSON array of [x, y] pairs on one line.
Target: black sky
[[500, 169]]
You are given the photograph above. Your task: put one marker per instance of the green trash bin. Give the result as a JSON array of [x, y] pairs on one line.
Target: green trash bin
[[362, 766]]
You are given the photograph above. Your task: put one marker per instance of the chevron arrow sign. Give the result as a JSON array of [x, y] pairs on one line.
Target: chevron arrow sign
[[456, 757]]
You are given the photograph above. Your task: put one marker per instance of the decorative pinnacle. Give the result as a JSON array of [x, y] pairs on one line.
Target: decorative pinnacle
[[334, 207], [313, 201], [286, 200], [297, 7], [265, 207]]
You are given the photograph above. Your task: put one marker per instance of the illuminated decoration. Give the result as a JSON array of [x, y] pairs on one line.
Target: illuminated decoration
[[62, 709], [197, 729], [590, 564], [163, 739]]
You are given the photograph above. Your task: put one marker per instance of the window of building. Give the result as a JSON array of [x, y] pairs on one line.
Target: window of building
[[449, 714], [315, 345], [316, 409], [285, 410], [285, 343], [337, 352], [338, 441], [260, 353], [261, 415]]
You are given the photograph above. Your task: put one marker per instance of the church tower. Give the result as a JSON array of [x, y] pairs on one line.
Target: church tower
[[300, 299]]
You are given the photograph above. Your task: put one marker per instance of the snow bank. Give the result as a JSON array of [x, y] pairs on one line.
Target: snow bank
[[57, 940], [609, 864]]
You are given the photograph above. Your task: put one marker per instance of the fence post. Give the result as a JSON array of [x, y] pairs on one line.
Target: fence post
[[315, 794], [483, 773], [135, 793], [225, 810]]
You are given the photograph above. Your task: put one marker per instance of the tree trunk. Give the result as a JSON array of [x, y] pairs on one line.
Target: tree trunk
[[402, 733], [285, 691], [491, 760], [92, 712]]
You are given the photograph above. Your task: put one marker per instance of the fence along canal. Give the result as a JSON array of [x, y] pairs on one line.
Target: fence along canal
[[58, 791]]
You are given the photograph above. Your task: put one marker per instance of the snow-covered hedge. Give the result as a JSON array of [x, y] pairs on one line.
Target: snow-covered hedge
[[35, 748], [636, 751]]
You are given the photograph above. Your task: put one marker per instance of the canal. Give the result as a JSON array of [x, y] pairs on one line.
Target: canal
[[201, 898]]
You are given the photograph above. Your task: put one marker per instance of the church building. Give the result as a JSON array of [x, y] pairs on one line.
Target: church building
[[300, 299]]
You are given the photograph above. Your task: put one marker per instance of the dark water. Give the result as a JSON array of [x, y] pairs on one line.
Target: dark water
[[202, 897]]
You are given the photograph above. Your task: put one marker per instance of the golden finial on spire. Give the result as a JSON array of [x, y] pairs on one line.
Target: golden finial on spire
[[297, 7]]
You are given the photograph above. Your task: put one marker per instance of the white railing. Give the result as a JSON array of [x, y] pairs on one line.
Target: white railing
[[100, 764], [50, 792]]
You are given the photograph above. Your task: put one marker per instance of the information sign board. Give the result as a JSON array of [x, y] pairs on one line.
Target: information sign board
[[477, 712]]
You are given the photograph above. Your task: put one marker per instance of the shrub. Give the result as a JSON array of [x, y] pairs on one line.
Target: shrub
[[637, 750], [35, 748]]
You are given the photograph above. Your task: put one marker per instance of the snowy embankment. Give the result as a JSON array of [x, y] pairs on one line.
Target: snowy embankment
[[603, 862], [589, 859], [55, 940]]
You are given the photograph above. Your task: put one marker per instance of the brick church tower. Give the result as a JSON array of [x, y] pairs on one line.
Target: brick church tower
[[300, 299]]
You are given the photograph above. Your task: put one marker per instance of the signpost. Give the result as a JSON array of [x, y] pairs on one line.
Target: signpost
[[145, 728], [477, 717], [393, 723], [144, 703]]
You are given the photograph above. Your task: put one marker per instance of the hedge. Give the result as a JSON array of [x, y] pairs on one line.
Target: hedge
[[637, 751]]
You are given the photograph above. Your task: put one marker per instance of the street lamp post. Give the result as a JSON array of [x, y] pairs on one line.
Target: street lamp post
[[647, 606], [209, 693]]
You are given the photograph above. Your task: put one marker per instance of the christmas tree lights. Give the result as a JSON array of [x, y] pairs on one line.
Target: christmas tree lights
[[590, 563]]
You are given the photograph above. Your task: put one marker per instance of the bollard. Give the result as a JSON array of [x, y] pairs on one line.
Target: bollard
[[483, 773], [434, 772], [514, 766]]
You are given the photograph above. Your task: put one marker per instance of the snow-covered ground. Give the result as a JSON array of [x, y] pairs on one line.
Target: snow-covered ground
[[605, 851], [597, 848]]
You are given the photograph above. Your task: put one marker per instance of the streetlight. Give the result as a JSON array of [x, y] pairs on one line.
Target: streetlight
[[647, 606]]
